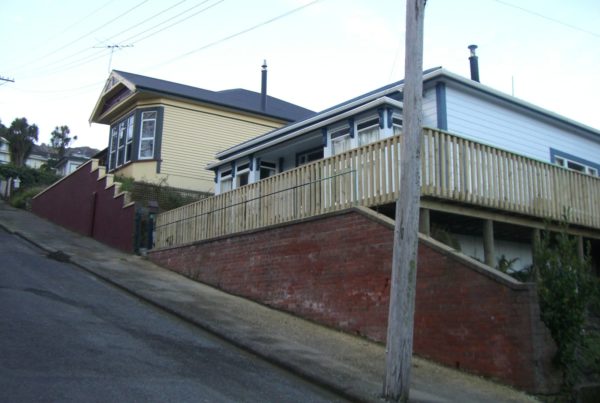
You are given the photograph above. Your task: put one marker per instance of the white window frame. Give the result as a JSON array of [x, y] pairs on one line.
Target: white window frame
[[570, 165], [360, 133], [397, 124], [225, 177], [113, 148], [303, 157], [340, 135], [129, 138], [121, 143], [242, 171], [146, 139], [268, 166]]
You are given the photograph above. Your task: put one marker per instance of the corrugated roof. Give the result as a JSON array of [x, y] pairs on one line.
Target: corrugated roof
[[238, 98]]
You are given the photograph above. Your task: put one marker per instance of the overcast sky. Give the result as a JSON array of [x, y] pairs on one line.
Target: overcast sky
[[57, 51]]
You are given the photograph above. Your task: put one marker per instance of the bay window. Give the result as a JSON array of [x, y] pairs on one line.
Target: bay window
[[147, 135]]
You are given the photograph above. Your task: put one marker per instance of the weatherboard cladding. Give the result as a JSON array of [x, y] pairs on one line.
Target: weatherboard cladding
[[506, 126], [430, 110], [183, 155], [234, 98]]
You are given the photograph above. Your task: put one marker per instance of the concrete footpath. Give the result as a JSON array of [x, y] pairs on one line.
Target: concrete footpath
[[348, 365]]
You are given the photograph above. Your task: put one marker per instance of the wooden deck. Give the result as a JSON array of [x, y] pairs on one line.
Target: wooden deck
[[453, 169]]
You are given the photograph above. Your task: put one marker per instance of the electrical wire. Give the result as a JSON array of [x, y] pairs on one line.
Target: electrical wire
[[161, 12], [252, 28], [80, 20], [60, 66], [176, 23], [585, 31], [261, 24], [55, 51]]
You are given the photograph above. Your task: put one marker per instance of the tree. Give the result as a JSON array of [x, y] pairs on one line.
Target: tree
[[3, 129], [60, 140], [21, 136]]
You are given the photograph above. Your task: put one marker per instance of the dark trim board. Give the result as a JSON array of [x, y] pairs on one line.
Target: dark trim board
[[557, 153], [440, 106]]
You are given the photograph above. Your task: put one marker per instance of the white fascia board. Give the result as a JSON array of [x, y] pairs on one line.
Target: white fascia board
[[380, 101], [105, 92], [309, 120]]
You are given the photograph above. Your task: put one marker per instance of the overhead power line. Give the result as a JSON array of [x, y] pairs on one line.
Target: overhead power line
[[217, 42], [61, 65], [80, 20], [55, 51], [566, 24], [252, 28], [112, 50], [175, 23]]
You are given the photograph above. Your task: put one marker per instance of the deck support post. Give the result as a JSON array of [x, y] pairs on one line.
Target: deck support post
[[488, 243], [536, 239], [424, 222]]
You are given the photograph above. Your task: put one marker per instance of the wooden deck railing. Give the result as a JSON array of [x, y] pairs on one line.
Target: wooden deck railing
[[453, 169]]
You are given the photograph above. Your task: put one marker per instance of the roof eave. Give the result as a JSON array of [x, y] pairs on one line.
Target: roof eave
[[306, 129], [315, 118]]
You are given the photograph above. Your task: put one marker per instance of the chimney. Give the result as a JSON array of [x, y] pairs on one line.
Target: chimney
[[473, 60], [263, 87]]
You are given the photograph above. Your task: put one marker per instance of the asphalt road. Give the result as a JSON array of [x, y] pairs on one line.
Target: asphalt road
[[66, 336]]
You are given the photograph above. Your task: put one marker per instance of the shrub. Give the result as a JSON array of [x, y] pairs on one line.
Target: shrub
[[22, 197], [29, 176], [566, 289]]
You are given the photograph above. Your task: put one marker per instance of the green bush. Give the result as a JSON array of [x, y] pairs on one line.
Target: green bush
[[566, 289], [126, 182], [29, 176], [22, 197]]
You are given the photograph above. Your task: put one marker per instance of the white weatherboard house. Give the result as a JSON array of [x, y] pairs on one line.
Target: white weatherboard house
[[493, 166], [451, 103]]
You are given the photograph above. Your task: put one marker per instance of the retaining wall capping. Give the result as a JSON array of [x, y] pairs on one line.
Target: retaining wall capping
[[91, 204], [335, 270]]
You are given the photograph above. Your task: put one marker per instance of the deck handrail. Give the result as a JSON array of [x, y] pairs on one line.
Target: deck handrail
[[453, 169]]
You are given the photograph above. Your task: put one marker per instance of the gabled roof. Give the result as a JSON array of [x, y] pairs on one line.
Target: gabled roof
[[240, 99]]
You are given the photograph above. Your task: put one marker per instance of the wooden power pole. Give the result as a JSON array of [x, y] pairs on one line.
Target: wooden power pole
[[406, 240]]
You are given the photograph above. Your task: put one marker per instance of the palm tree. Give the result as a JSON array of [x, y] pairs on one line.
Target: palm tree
[[21, 136], [60, 140]]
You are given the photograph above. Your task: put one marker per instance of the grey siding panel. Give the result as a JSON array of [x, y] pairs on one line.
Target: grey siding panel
[[502, 125], [429, 108]]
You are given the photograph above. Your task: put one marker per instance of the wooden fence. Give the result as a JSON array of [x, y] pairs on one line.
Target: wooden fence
[[453, 169]]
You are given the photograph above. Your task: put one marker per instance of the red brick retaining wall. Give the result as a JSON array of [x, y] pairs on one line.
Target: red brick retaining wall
[[335, 270], [82, 203]]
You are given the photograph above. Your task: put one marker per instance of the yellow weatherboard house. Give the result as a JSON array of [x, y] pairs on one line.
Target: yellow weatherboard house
[[161, 130]]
